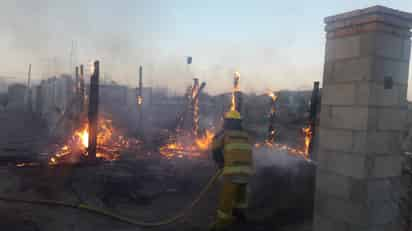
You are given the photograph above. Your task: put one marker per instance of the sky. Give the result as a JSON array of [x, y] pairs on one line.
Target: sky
[[274, 44]]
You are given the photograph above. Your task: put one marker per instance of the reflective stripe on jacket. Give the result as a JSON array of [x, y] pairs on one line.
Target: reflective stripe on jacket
[[237, 153]]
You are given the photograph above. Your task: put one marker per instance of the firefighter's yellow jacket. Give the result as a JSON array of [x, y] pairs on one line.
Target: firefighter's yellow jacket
[[232, 151]]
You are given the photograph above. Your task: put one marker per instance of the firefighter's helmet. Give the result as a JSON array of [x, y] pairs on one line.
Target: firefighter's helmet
[[233, 114]]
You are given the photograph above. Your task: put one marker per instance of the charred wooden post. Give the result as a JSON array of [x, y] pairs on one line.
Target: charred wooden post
[[81, 88], [313, 113], [93, 111], [77, 81]]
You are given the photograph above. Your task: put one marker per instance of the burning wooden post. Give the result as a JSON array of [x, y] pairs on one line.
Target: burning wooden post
[[236, 94], [93, 111], [140, 99], [81, 88], [192, 108], [195, 106], [272, 132]]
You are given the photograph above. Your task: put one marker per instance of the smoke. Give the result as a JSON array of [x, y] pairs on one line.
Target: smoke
[[54, 35], [265, 157]]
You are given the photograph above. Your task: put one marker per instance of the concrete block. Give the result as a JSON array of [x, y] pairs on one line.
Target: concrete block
[[381, 142], [389, 46], [334, 139], [382, 213], [374, 94], [397, 70], [389, 119], [330, 183], [343, 48], [338, 94], [386, 166], [328, 72], [388, 190], [340, 209], [368, 44], [356, 69], [350, 165], [406, 49], [355, 118], [322, 223]]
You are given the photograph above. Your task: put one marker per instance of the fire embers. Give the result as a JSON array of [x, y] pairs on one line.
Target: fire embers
[[109, 144], [272, 140], [186, 145]]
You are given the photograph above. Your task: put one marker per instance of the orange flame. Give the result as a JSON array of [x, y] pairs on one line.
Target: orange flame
[[186, 145], [204, 142], [272, 95], [109, 143], [308, 139]]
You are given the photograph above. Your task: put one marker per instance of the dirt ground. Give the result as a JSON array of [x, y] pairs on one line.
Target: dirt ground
[[150, 188]]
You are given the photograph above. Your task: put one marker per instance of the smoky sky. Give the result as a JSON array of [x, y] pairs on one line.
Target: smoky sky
[[271, 49]]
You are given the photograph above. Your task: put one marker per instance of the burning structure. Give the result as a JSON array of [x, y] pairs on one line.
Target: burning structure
[[88, 155]]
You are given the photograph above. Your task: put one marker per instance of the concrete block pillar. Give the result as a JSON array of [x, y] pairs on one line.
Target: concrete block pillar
[[361, 121]]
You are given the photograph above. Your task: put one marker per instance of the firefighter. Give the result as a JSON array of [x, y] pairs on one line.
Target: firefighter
[[232, 152]]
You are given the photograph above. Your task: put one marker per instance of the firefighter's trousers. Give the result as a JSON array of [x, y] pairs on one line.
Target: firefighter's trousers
[[233, 196]]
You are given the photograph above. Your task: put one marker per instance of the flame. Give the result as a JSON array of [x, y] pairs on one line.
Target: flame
[[19, 165], [204, 142], [272, 95], [186, 145], [83, 135], [303, 152], [308, 139], [139, 100], [282, 147], [109, 142]]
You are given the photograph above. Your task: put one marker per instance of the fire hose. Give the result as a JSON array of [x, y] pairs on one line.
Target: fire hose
[[118, 217]]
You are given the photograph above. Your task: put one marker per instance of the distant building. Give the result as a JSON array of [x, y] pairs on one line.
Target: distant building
[[16, 94]]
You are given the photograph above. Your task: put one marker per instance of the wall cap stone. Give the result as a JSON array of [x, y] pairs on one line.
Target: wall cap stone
[[368, 15]]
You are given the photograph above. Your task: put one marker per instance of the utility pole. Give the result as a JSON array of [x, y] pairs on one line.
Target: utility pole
[[29, 102], [77, 89], [81, 90], [93, 112], [140, 100]]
